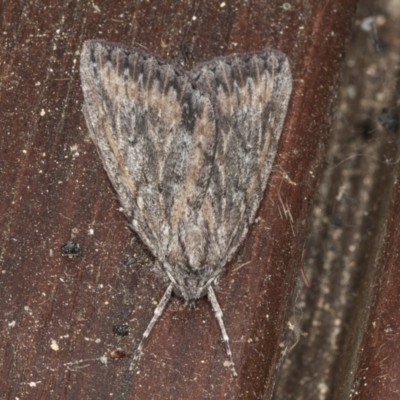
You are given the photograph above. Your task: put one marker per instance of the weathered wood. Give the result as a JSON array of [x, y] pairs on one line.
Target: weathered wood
[[373, 345], [351, 312], [57, 313]]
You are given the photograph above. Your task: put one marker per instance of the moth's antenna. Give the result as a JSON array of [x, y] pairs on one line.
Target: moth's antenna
[[218, 315], [157, 314]]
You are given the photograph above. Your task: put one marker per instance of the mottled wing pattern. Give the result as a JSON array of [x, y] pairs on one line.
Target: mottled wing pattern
[[252, 93], [155, 133]]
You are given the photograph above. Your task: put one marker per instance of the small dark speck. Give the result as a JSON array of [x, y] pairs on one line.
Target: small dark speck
[[71, 249], [337, 222], [130, 260], [121, 330], [366, 128], [389, 120], [381, 47]]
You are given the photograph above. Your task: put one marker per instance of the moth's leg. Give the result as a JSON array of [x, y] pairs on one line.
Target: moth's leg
[[157, 314], [218, 314]]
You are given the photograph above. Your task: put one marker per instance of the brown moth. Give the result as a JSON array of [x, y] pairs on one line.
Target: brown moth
[[188, 153]]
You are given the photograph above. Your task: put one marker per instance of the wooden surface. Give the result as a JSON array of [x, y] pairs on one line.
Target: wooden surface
[[58, 313], [350, 315]]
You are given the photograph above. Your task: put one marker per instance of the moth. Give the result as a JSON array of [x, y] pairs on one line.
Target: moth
[[188, 154]]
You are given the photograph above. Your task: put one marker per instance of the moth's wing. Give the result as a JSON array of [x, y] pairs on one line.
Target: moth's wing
[[155, 133], [252, 92]]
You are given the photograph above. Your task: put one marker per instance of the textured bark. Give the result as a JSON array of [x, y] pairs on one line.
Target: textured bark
[[58, 313]]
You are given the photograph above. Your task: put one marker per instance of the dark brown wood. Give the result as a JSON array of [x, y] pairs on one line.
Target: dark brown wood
[[378, 369], [58, 313], [351, 312], [373, 345]]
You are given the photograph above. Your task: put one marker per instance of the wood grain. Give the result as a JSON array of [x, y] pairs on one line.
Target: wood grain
[[58, 313]]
